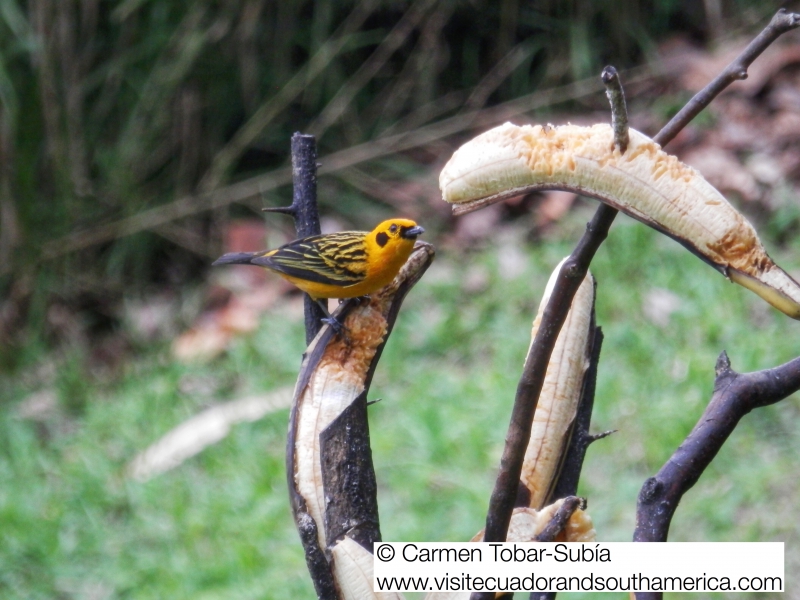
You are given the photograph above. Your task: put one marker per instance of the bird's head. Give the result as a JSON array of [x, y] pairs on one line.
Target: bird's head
[[394, 235]]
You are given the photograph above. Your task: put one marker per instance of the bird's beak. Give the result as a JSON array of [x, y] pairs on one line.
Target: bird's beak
[[412, 232], [236, 258]]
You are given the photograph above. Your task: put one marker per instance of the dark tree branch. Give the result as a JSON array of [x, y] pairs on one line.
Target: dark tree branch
[[304, 210], [737, 70], [559, 520], [530, 385], [735, 395], [572, 272], [348, 476]]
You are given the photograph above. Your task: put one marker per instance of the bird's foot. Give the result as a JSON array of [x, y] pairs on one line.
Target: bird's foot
[[338, 329], [334, 323]]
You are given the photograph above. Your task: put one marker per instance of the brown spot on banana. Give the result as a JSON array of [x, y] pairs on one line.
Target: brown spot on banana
[[645, 182]]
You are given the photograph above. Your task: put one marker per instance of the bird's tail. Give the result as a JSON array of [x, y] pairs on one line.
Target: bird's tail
[[237, 258]]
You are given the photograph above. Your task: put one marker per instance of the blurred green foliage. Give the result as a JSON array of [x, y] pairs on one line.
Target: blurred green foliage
[[108, 109]]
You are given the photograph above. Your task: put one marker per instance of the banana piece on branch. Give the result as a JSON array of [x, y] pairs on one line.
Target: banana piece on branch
[[561, 392], [645, 182], [331, 480]]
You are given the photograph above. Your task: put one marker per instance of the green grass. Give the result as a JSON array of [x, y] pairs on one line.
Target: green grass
[[219, 526]]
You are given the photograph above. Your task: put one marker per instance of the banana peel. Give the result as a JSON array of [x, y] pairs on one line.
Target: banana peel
[[561, 392]]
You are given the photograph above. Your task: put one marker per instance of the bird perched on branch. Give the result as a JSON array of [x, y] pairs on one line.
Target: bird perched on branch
[[346, 264]]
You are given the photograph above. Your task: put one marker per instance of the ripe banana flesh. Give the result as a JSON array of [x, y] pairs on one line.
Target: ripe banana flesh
[[645, 182]]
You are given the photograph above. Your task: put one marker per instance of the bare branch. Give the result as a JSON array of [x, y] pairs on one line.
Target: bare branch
[[735, 395], [305, 212], [567, 483], [571, 275], [344, 503], [780, 24], [306, 215]]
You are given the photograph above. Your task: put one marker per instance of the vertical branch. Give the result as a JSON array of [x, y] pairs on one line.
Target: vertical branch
[[304, 181], [304, 210], [329, 469], [567, 483], [569, 280]]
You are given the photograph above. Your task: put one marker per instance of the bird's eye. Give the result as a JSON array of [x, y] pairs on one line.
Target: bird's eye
[[393, 229]]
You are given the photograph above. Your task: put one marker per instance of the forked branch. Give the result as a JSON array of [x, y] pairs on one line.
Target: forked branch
[[735, 395]]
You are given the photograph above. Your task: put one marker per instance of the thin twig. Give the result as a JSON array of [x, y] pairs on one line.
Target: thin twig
[[572, 272], [735, 395], [780, 24]]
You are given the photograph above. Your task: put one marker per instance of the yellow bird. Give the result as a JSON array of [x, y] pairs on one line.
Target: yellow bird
[[346, 264]]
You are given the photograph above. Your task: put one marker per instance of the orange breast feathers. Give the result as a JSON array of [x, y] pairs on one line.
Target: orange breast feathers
[[346, 264]]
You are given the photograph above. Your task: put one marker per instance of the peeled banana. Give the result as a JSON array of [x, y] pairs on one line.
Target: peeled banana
[[561, 392], [645, 182]]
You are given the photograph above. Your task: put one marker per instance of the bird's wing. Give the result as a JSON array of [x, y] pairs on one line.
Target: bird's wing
[[334, 259]]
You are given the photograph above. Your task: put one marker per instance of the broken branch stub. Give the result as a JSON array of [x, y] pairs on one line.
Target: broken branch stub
[[329, 462]]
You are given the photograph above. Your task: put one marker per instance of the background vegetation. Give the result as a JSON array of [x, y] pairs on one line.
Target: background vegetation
[[133, 133]]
